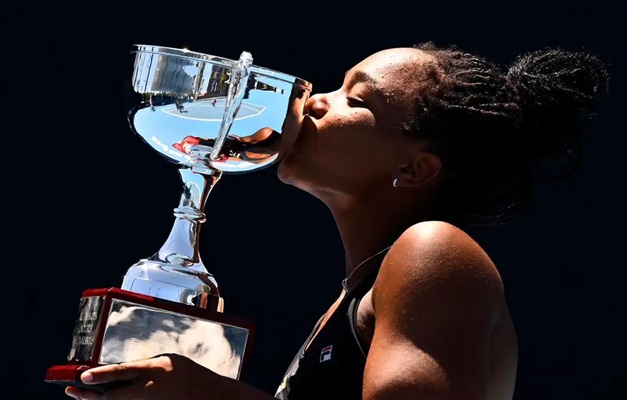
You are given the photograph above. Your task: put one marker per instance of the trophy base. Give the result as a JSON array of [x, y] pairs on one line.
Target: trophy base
[[115, 326], [70, 375]]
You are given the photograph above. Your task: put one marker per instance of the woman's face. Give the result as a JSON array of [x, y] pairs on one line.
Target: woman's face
[[350, 143]]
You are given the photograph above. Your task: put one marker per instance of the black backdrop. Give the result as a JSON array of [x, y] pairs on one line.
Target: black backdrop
[[84, 198]]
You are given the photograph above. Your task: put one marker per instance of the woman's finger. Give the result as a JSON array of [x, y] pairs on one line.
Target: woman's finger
[[82, 394], [114, 372], [134, 391]]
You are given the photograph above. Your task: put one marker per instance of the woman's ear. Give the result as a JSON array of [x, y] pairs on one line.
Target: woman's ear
[[423, 168]]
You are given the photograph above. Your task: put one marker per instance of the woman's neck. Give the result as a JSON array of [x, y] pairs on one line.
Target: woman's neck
[[366, 231]]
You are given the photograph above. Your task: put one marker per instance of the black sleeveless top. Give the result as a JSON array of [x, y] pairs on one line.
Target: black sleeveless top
[[333, 365]]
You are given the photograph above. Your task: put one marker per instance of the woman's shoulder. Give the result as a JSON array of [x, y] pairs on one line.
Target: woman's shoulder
[[430, 238], [434, 229], [437, 251]]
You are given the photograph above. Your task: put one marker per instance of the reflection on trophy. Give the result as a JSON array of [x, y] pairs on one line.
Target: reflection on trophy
[[210, 116]]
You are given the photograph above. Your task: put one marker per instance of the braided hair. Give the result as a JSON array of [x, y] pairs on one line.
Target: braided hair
[[488, 124]]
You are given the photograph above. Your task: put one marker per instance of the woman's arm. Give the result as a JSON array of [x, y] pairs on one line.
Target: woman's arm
[[436, 299]]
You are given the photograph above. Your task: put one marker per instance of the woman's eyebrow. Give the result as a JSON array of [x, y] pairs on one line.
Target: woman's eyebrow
[[364, 77]]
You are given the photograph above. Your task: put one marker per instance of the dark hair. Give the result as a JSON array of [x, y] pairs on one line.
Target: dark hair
[[488, 124]]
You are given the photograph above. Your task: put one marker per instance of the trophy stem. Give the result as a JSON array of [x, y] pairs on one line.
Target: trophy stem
[[181, 247], [176, 272]]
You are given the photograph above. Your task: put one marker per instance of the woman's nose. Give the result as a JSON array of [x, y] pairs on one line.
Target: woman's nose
[[317, 106]]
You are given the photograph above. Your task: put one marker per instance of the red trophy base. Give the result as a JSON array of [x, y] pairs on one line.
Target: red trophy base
[[70, 375], [116, 325]]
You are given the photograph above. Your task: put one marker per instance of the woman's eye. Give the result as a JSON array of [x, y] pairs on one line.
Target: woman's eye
[[355, 102]]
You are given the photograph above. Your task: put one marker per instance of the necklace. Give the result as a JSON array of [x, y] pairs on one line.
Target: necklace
[[345, 280]]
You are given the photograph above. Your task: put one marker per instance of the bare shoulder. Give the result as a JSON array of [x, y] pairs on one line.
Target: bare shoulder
[[437, 302], [437, 255]]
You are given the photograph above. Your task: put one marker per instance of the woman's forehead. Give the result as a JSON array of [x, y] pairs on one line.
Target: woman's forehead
[[392, 68], [394, 58], [393, 74]]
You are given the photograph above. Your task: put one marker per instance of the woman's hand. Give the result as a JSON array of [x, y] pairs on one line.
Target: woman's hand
[[166, 377]]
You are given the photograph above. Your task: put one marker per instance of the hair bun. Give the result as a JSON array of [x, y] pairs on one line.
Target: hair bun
[[560, 82], [556, 90]]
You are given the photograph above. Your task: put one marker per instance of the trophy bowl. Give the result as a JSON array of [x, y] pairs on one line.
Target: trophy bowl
[[208, 115], [201, 110]]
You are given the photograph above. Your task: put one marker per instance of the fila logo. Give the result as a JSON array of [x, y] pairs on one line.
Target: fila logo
[[325, 354]]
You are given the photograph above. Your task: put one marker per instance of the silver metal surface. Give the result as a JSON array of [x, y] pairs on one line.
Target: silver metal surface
[[201, 110], [134, 331], [210, 116]]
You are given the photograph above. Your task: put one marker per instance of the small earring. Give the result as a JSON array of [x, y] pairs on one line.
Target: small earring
[[395, 182]]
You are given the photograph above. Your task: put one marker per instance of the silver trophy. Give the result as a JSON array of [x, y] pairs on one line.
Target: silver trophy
[[210, 116]]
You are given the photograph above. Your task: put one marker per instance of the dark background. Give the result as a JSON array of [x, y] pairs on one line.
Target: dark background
[[84, 198]]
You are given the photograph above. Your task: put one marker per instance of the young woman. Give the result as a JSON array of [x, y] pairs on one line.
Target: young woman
[[417, 144]]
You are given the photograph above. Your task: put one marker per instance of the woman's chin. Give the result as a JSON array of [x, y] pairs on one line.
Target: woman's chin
[[284, 172]]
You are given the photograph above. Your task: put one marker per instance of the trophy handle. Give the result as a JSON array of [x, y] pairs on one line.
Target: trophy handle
[[235, 95]]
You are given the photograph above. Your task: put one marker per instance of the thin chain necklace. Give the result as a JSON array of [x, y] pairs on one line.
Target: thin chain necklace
[[345, 280]]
